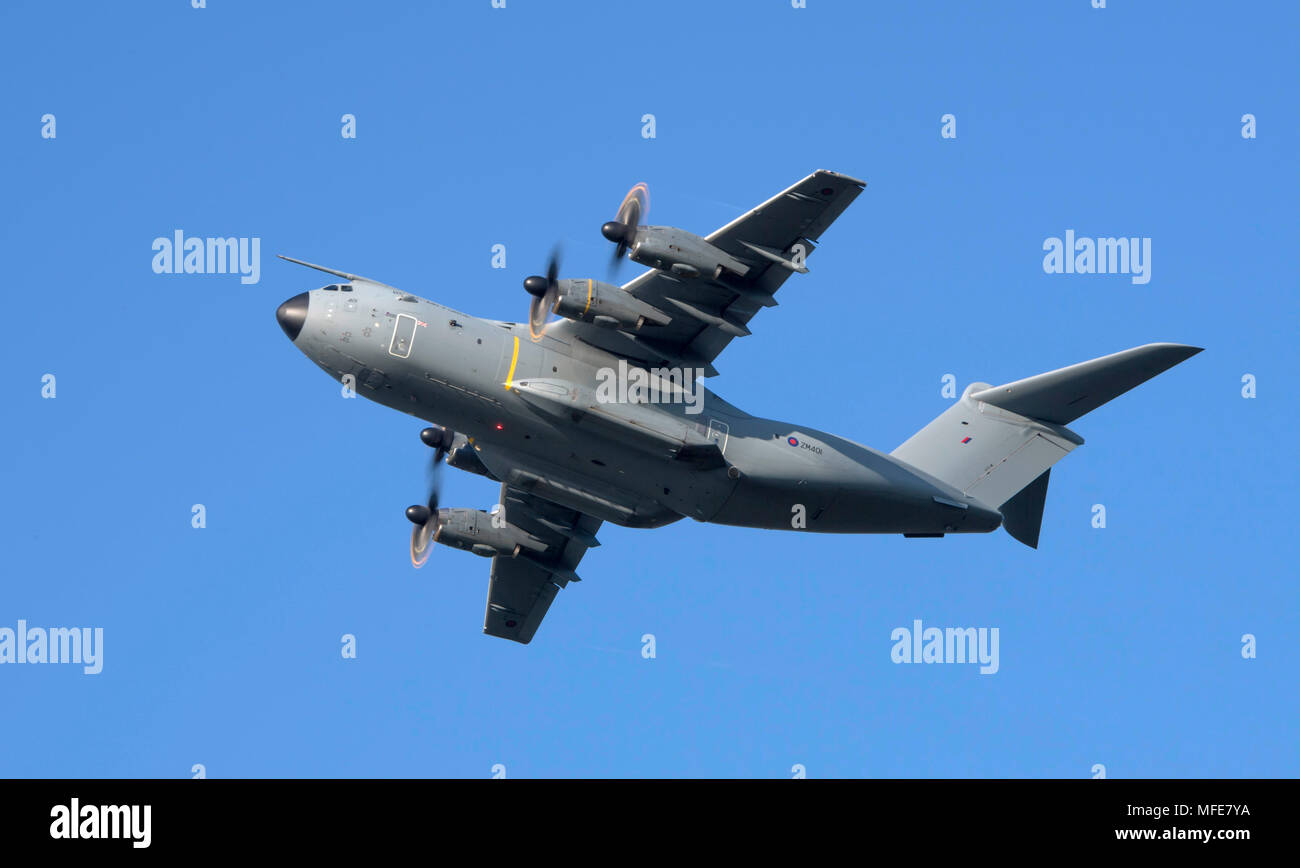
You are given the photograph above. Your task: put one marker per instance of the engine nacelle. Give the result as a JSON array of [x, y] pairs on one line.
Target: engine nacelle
[[484, 534], [463, 457], [681, 253], [604, 304]]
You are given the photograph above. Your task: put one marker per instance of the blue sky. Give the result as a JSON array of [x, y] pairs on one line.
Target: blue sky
[[476, 126]]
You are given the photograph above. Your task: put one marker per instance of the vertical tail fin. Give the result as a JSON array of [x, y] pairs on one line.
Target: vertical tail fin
[[1022, 515]]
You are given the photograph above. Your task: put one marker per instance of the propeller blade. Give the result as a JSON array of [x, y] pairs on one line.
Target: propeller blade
[[622, 229], [545, 292], [425, 518], [422, 539], [425, 533], [537, 318]]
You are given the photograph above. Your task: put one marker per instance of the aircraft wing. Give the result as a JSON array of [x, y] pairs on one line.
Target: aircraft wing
[[523, 587], [707, 314]]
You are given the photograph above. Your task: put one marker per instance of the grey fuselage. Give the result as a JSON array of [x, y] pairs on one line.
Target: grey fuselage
[[520, 403]]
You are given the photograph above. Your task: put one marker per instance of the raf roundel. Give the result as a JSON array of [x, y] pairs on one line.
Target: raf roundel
[[793, 441]]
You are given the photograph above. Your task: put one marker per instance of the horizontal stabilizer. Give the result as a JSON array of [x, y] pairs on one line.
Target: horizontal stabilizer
[[1062, 396], [997, 443]]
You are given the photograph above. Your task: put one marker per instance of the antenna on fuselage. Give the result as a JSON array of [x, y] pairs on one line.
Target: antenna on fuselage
[[343, 274]]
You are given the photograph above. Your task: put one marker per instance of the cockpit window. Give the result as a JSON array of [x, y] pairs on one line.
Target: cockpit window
[[333, 287]]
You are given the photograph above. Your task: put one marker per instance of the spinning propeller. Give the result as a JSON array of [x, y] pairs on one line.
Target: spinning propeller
[[425, 518], [622, 229], [545, 292]]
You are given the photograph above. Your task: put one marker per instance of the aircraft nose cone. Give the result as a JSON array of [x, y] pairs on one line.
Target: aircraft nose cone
[[292, 314]]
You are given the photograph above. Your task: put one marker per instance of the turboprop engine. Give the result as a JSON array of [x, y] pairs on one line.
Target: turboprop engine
[[676, 251], [666, 248], [485, 534], [585, 301], [605, 304]]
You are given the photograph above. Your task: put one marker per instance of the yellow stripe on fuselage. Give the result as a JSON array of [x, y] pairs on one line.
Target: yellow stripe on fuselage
[[514, 360]]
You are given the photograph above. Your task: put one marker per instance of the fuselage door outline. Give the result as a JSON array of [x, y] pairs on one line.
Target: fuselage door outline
[[403, 336], [719, 432]]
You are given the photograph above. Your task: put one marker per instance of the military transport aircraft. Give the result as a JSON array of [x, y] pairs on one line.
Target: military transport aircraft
[[591, 411]]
